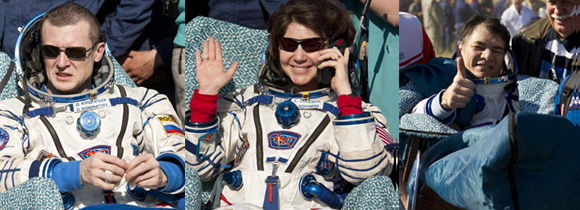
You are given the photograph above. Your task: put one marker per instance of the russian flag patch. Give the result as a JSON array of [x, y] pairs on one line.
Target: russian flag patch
[[170, 126]]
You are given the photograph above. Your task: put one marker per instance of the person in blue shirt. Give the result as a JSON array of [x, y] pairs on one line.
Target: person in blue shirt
[[461, 12]]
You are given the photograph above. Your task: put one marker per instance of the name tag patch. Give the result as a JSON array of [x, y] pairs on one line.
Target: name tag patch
[[90, 105], [282, 139]]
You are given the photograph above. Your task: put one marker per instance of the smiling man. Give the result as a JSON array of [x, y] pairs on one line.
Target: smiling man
[[546, 48], [99, 142], [480, 77]]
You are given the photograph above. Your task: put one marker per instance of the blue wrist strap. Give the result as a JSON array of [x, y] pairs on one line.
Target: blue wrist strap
[[175, 177], [67, 176]]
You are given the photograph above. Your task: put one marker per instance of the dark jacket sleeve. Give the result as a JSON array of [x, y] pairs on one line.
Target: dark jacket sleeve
[[126, 24], [528, 46]]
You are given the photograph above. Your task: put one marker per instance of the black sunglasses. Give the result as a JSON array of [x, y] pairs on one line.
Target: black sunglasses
[[71, 52], [309, 45]]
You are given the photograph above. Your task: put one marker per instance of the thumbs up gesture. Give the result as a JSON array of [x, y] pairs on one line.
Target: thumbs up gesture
[[459, 93]]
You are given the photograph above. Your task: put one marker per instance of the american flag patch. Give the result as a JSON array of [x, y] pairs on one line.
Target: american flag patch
[[384, 135], [170, 126]]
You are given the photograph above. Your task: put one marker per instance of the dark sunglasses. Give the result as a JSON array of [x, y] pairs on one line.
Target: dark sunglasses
[[309, 45], [71, 52]]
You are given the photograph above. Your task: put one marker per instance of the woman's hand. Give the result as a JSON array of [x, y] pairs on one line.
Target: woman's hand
[[340, 82], [211, 76]]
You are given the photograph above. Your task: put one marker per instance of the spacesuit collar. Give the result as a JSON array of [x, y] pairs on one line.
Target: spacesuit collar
[[30, 69], [304, 94], [495, 80], [97, 89]]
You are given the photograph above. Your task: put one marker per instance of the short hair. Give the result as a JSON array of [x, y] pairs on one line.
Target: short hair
[[71, 13], [324, 17], [492, 24]]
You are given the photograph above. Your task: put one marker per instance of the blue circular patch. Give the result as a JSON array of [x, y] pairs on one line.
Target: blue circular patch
[[4, 137], [287, 114], [88, 123]]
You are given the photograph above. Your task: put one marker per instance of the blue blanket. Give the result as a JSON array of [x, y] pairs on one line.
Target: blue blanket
[[471, 169]]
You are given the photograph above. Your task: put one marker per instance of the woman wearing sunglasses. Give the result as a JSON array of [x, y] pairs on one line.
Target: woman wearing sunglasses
[[288, 137]]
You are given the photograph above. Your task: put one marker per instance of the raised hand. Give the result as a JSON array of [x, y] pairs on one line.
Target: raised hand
[[340, 82], [459, 93], [211, 76], [102, 170]]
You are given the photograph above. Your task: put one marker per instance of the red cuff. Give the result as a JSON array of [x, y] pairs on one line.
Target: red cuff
[[203, 107], [348, 105]]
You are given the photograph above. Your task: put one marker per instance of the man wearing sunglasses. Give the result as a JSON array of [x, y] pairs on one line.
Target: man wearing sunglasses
[[99, 142]]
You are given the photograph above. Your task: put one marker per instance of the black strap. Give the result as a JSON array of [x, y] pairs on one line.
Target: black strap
[[55, 138], [570, 87], [259, 147], [513, 159], [6, 76], [123, 124], [309, 142]]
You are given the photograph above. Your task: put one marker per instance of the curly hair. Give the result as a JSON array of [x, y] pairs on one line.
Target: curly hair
[[324, 17]]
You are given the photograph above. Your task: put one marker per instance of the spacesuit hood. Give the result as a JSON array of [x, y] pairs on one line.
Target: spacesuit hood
[[30, 68], [272, 76]]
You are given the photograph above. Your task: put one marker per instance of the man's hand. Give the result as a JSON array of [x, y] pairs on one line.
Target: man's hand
[[140, 65], [102, 170], [210, 68], [144, 171], [459, 93]]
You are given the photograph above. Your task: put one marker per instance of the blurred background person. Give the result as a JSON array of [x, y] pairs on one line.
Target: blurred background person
[[516, 16], [538, 6], [461, 12], [432, 20], [416, 10], [446, 43], [500, 6]]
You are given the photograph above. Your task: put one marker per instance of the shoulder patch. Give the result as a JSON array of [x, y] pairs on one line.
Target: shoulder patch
[[282, 139], [44, 155], [170, 126], [91, 151], [241, 152], [4, 137]]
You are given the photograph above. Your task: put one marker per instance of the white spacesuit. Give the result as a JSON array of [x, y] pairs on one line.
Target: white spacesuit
[[261, 135], [495, 98], [57, 129]]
